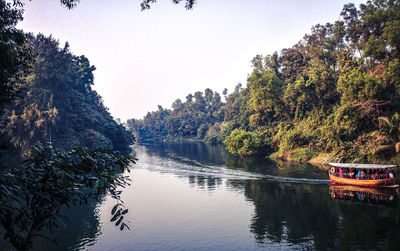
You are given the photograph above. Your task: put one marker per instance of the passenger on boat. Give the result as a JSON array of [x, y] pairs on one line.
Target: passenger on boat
[[358, 175], [362, 175], [341, 172]]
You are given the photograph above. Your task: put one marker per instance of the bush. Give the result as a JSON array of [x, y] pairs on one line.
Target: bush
[[242, 143], [202, 131], [302, 154], [218, 132]]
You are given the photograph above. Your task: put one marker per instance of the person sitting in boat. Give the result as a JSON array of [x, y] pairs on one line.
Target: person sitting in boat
[[358, 175], [362, 175], [391, 175]]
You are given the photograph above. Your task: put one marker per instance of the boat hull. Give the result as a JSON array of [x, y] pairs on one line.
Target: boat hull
[[362, 183]]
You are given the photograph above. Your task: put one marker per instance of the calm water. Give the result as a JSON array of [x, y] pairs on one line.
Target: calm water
[[194, 196]]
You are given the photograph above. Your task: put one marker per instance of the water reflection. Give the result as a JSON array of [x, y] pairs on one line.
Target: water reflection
[[377, 196], [297, 214], [200, 154], [197, 153], [196, 196], [211, 183], [82, 229], [300, 215], [306, 215]]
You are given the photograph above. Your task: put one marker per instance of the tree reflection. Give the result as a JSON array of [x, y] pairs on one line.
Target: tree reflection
[[203, 182], [302, 216], [195, 152], [83, 228], [305, 215]]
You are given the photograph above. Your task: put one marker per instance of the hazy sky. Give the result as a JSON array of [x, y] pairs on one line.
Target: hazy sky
[[146, 58]]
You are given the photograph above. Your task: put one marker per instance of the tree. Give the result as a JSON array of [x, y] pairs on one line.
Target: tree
[[58, 86], [265, 97], [60, 104], [15, 57], [189, 119], [244, 143], [32, 195], [293, 63]]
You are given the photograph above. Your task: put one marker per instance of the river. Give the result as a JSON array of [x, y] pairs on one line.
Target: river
[[194, 196]]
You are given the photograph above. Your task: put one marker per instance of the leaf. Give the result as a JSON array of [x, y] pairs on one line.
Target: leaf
[[116, 215], [114, 209], [386, 120], [119, 221], [124, 225], [125, 211]]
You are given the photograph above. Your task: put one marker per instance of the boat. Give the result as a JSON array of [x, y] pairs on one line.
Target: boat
[[365, 175]]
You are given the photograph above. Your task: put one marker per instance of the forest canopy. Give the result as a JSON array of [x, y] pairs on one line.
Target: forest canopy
[[336, 91], [50, 114], [59, 104]]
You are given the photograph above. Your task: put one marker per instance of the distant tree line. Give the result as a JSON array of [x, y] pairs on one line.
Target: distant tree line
[[190, 119], [336, 91]]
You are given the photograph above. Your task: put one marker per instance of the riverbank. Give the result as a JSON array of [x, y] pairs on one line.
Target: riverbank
[[303, 155], [306, 155]]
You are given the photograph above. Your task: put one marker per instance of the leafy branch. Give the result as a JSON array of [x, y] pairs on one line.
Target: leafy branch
[[32, 195]]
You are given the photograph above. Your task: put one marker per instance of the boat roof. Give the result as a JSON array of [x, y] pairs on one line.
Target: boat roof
[[361, 166]]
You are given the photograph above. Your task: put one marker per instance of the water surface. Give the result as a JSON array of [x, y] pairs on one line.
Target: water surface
[[194, 196]]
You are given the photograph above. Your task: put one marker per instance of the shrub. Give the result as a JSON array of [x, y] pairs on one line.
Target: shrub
[[302, 154], [242, 143]]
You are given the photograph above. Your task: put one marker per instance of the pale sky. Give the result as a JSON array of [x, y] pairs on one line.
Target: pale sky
[[147, 58]]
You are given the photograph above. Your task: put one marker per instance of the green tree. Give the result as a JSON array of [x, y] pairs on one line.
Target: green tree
[[242, 143], [15, 55], [60, 105], [265, 101], [32, 195]]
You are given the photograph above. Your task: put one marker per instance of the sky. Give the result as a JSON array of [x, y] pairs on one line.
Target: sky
[[150, 58]]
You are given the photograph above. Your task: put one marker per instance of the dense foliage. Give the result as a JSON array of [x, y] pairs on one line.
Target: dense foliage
[[46, 96], [336, 91], [32, 195], [15, 55], [59, 104]]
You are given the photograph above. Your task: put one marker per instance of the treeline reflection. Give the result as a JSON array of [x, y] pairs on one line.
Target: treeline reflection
[[307, 215], [202, 182], [202, 154], [81, 230]]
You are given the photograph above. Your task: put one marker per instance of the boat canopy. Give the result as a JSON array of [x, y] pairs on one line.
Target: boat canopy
[[361, 166]]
